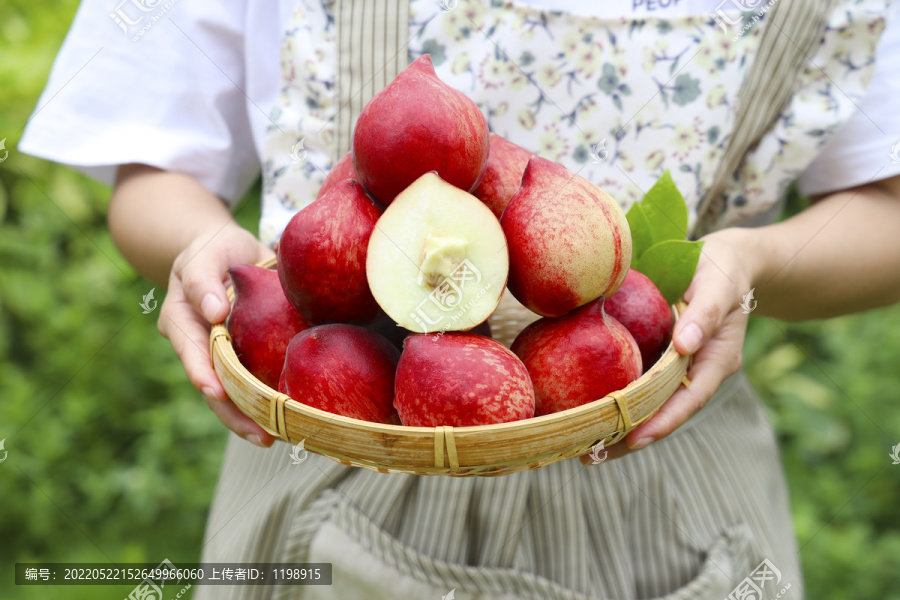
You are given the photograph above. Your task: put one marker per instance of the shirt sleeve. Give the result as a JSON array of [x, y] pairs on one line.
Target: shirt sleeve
[[158, 82], [867, 148]]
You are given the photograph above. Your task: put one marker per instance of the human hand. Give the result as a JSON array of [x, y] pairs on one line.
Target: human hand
[[712, 328], [195, 299]]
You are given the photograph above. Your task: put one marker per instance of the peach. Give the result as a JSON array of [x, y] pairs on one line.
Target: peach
[[569, 242], [262, 322], [578, 358], [342, 169], [343, 369], [502, 175], [641, 308], [460, 379], [415, 125], [437, 259], [322, 256]]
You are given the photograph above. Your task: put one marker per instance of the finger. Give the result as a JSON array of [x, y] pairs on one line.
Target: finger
[[202, 278], [240, 423], [717, 360], [188, 332], [710, 297], [203, 266]]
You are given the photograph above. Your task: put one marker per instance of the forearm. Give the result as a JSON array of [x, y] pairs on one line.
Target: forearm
[[154, 214], [166, 223], [841, 255]]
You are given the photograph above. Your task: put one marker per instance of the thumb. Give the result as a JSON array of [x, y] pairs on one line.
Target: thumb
[[709, 302], [202, 273], [203, 288], [203, 265]]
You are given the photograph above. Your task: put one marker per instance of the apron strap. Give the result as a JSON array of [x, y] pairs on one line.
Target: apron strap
[[372, 36], [790, 32]]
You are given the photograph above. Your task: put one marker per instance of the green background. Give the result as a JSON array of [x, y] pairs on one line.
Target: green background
[[113, 456]]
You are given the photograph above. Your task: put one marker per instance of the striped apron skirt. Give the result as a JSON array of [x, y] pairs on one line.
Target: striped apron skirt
[[700, 514]]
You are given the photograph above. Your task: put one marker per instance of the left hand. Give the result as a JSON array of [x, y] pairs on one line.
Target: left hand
[[712, 328]]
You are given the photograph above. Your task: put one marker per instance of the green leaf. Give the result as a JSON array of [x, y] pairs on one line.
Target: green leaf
[[641, 235], [617, 101], [665, 210], [670, 265], [687, 89]]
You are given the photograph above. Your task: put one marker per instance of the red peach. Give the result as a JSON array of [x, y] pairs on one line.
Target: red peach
[[578, 358], [415, 125], [322, 256], [342, 169], [343, 369], [569, 242], [262, 321], [503, 174], [460, 379], [642, 309]]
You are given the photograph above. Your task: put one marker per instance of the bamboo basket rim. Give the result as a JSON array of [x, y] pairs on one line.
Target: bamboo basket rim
[[446, 440]]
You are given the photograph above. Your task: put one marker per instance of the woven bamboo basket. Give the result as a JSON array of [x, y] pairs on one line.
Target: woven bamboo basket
[[485, 450]]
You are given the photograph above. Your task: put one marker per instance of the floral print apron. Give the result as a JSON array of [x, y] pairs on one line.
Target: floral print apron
[[701, 514]]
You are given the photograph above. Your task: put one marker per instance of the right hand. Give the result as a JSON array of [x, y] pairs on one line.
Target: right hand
[[195, 299]]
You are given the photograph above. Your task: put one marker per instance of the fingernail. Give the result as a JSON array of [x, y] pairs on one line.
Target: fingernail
[[690, 337], [210, 393], [642, 443], [210, 306], [255, 439]]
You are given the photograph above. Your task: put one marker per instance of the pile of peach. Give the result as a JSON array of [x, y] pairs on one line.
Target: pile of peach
[[385, 283]]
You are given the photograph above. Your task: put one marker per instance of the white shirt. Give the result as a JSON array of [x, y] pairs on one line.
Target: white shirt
[[192, 87]]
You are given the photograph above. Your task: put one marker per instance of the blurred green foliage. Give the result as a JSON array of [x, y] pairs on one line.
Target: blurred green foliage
[[113, 456]]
